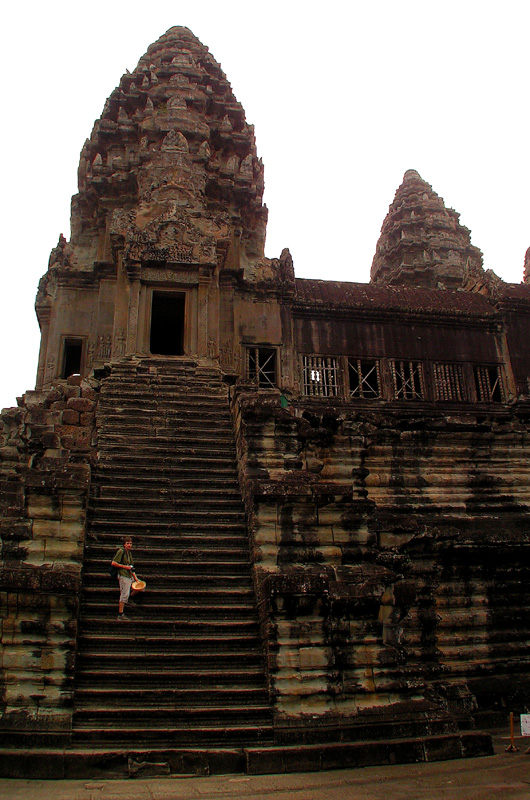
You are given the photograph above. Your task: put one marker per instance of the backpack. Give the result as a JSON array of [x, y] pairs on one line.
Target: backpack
[[113, 571]]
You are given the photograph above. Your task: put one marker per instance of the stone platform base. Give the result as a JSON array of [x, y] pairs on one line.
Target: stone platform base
[[40, 763]]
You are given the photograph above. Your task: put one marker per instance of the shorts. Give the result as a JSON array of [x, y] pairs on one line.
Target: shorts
[[125, 588]]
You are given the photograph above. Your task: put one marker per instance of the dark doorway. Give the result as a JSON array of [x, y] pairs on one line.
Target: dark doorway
[[167, 324], [73, 350]]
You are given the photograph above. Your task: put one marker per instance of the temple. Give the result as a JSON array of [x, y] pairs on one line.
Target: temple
[[327, 483]]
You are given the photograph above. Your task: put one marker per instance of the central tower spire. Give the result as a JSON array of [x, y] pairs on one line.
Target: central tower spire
[[172, 142], [169, 210]]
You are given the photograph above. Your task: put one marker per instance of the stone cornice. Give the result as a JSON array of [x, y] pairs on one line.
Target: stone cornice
[[453, 319]]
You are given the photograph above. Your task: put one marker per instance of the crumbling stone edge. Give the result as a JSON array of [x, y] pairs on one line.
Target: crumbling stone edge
[[45, 764]]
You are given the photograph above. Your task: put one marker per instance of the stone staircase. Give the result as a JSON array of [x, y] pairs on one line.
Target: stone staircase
[[187, 670]]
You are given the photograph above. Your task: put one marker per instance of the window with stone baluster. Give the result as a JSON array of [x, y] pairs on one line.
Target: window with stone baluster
[[488, 383], [320, 376], [407, 379], [364, 378], [449, 383], [261, 366]]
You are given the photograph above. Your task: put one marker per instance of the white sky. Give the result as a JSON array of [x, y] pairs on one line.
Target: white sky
[[344, 96]]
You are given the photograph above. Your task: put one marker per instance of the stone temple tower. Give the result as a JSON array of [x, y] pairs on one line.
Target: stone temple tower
[[422, 243], [169, 211], [327, 483]]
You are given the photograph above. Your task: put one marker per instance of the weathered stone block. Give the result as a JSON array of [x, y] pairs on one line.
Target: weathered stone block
[[63, 580], [50, 440], [63, 550], [266, 514], [52, 457], [330, 515], [266, 535], [45, 528], [266, 554], [72, 529], [35, 550], [43, 506], [80, 404], [17, 530], [88, 392], [69, 417], [313, 657], [73, 508], [16, 579], [443, 747], [75, 439], [9, 453]]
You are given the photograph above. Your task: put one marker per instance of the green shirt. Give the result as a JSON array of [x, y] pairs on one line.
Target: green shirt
[[123, 556]]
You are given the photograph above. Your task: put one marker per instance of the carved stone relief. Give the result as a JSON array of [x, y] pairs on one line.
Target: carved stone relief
[[156, 275], [119, 345], [104, 346]]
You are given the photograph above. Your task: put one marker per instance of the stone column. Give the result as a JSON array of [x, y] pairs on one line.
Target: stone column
[[503, 349], [133, 272], [121, 310], [202, 312], [44, 315], [213, 317], [229, 349]]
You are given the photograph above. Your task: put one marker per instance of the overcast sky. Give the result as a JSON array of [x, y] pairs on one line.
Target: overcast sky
[[344, 96]]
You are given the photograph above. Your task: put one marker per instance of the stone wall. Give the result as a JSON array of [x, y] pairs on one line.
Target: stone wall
[[391, 558], [46, 448]]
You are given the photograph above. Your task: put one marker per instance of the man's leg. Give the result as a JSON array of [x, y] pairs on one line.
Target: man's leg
[[125, 589]]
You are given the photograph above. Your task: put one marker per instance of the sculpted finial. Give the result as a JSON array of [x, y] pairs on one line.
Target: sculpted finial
[[526, 274], [58, 254]]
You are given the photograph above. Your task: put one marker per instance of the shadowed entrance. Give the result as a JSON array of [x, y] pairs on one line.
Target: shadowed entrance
[[167, 324]]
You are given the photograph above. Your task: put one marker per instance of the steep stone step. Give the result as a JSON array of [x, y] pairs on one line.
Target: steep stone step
[[167, 566], [144, 625], [191, 651], [156, 442], [124, 467], [235, 715], [112, 531], [154, 418], [129, 518], [119, 458], [178, 554], [164, 389], [108, 644], [177, 581], [204, 595], [99, 625], [139, 643], [161, 536], [214, 610], [190, 734], [199, 678], [163, 486], [143, 394], [174, 661], [110, 473], [167, 488], [160, 430], [145, 697], [211, 450], [181, 479], [183, 499]]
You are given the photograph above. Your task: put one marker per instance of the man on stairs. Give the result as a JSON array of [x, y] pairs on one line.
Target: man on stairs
[[123, 561]]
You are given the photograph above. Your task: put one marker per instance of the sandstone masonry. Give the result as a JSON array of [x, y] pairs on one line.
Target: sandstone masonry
[[367, 574]]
